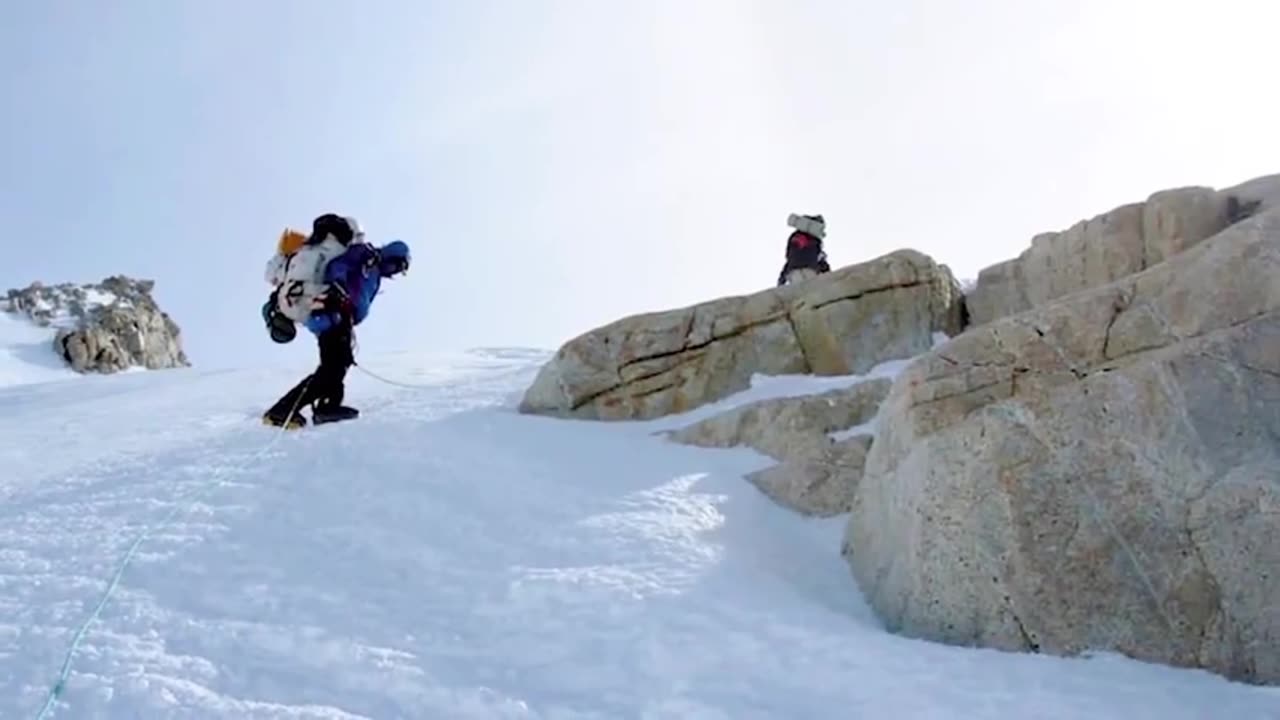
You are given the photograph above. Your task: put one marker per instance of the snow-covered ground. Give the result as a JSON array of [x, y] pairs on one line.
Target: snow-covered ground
[[26, 352], [445, 557]]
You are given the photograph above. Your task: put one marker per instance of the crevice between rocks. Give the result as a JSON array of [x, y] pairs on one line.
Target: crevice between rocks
[[1013, 379], [687, 346], [694, 355], [865, 293], [654, 391], [1105, 365], [804, 353], [1057, 350], [1119, 305], [1027, 640], [962, 393], [1238, 364], [1218, 610]]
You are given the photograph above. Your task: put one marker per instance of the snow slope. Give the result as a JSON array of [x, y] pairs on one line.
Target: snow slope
[[445, 557], [26, 352]]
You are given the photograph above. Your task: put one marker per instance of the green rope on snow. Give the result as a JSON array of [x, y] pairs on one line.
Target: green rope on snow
[[389, 381], [60, 685]]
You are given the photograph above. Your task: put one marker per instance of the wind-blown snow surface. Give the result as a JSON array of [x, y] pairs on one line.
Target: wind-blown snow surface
[[445, 557], [26, 352]]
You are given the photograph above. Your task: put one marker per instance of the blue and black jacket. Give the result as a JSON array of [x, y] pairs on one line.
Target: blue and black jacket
[[354, 278]]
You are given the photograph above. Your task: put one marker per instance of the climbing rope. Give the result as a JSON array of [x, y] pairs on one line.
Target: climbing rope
[[355, 349], [60, 684], [55, 692], [389, 381]]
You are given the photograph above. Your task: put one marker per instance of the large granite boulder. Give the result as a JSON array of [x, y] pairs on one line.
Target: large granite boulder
[[843, 322], [104, 328], [1124, 241], [1100, 473], [817, 472]]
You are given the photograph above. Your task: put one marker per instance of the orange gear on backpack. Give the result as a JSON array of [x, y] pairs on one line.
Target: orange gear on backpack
[[290, 241]]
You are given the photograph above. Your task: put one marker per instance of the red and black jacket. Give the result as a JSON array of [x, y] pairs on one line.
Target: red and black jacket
[[804, 251]]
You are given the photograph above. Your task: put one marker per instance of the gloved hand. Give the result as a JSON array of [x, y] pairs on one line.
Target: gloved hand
[[333, 302], [336, 300]]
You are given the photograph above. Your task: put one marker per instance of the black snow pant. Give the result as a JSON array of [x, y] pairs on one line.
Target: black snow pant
[[324, 387]]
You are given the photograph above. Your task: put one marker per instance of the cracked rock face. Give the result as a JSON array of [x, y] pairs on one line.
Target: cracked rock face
[[104, 328], [843, 322], [816, 474], [1102, 473], [1106, 248]]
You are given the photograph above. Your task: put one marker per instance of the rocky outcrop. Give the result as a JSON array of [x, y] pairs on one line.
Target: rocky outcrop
[[103, 328], [843, 322], [787, 427], [1111, 246], [817, 474], [818, 485], [1101, 472]]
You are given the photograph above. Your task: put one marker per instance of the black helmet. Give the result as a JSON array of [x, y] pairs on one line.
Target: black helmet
[[344, 229]]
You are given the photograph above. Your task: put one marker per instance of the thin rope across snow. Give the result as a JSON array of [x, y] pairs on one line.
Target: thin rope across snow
[[389, 381], [60, 684]]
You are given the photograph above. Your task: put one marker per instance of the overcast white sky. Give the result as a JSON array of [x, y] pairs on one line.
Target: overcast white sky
[[555, 165]]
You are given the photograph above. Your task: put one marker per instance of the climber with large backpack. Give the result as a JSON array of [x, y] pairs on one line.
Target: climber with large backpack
[[805, 257], [326, 284]]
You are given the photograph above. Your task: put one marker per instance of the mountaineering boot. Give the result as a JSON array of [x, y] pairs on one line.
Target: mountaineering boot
[[333, 413], [278, 419]]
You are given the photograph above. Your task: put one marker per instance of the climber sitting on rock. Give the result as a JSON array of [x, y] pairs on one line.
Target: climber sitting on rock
[[327, 285], [805, 256]]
